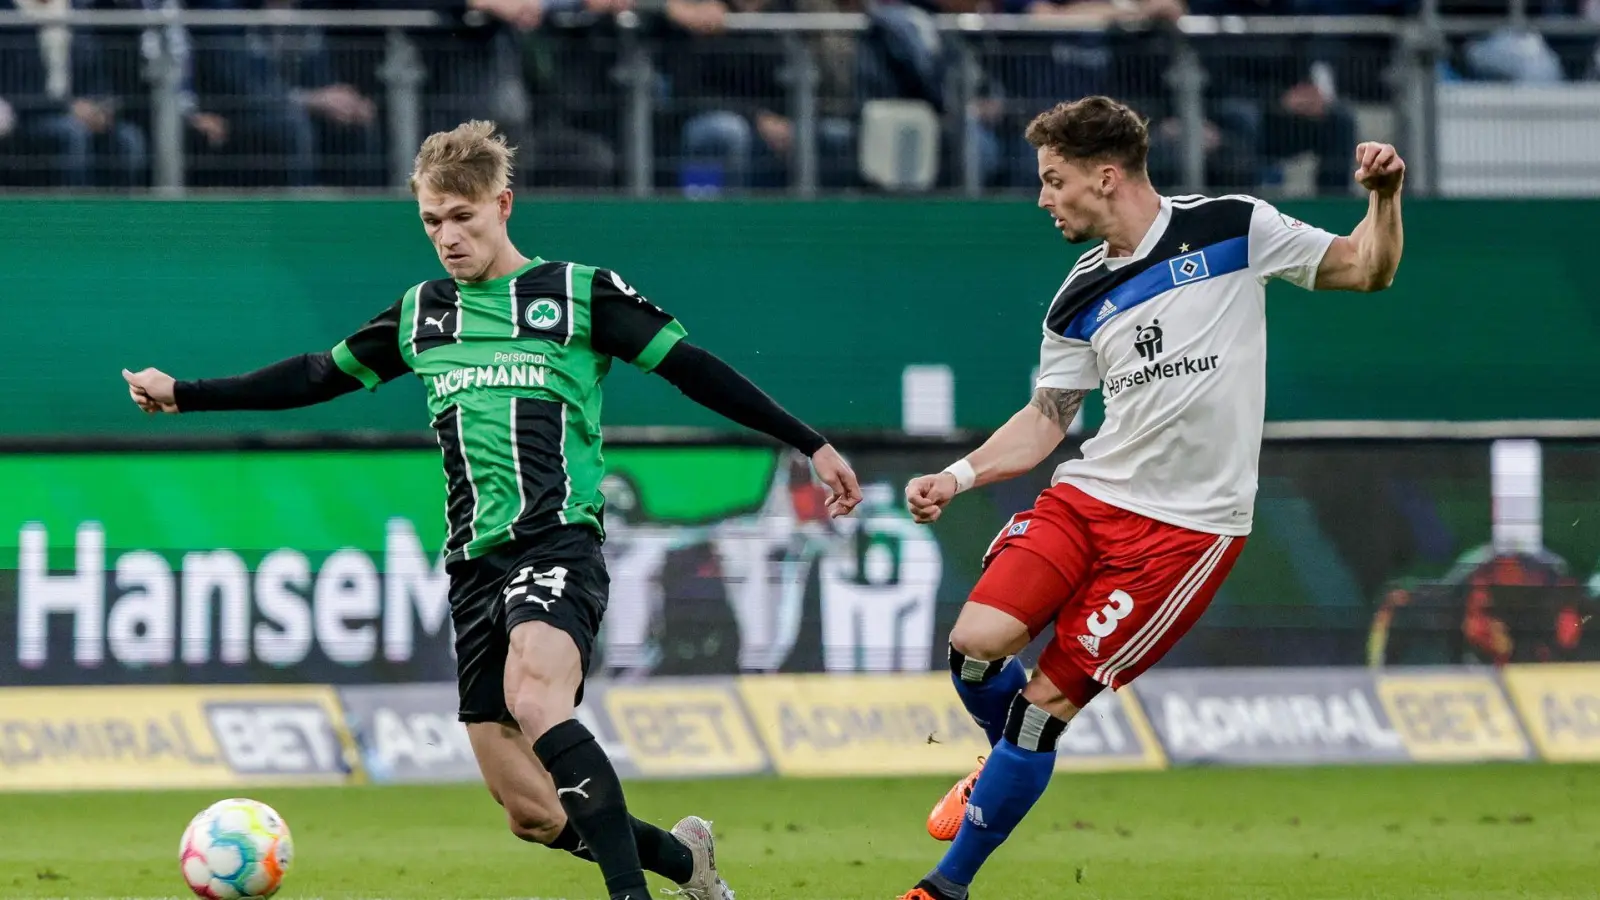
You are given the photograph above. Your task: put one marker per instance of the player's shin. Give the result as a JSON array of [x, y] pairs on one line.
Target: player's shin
[[1012, 782], [986, 688], [591, 794]]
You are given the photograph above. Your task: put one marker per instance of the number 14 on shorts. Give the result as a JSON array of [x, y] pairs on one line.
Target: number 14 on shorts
[[554, 581]]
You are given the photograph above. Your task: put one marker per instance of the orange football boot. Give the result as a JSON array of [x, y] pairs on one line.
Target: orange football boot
[[945, 820], [917, 893]]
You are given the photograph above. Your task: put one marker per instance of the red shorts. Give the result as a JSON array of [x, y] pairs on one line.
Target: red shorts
[[1121, 588]]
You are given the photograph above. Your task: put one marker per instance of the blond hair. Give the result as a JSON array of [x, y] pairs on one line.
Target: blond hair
[[471, 161]]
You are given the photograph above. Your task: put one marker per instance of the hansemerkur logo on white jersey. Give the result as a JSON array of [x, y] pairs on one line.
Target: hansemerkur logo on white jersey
[[1148, 342]]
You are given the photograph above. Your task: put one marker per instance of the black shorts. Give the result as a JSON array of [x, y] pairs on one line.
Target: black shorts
[[558, 578]]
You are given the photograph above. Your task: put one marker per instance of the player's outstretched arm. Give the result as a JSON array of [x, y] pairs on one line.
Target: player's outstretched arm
[[1368, 259], [287, 384], [367, 358], [1024, 441], [719, 387]]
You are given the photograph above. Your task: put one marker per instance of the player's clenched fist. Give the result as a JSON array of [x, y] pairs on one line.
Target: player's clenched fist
[[1379, 167], [926, 496], [153, 389]]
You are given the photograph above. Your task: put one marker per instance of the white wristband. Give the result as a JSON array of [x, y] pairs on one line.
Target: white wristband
[[963, 472]]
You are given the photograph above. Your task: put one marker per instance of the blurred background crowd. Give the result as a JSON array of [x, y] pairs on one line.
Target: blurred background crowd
[[668, 96]]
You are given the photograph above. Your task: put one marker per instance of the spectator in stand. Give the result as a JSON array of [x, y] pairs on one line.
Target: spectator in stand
[[528, 66], [904, 56], [1037, 73], [730, 104], [205, 131], [475, 65], [573, 104], [1282, 93], [304, 126], [61, 119], [837, 57]]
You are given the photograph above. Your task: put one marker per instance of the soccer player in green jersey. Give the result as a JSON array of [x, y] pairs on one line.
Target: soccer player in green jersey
[[512, 352]]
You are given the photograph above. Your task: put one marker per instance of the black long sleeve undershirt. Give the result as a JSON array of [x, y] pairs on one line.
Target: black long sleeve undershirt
[[314, 378], [719, 387], [302, 380]]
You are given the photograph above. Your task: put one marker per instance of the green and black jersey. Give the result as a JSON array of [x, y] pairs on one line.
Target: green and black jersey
[[512, 369]]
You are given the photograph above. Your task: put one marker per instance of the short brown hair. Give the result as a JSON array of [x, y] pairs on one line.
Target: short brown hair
[[1094, 129], [471, 161]]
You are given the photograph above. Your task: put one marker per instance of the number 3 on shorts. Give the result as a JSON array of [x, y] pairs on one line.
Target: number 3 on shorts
[[1104, 620]]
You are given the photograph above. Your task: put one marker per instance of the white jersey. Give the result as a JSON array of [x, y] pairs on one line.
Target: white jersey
[[1177, 336]]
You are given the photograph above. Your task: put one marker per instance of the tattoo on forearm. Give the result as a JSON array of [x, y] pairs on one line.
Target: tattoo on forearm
[[1059, 406]]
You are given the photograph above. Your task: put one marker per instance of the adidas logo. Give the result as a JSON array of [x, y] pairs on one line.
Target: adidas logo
[[1090, 643], [1107, 310], [975, 816]]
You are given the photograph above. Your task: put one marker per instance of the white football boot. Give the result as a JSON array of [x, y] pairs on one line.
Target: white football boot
[[705, 883]]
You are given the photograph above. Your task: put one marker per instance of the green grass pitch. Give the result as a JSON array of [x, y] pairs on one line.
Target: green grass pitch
[[1480, 832]]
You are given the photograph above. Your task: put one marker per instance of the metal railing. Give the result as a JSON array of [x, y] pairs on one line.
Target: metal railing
[[632, 121]]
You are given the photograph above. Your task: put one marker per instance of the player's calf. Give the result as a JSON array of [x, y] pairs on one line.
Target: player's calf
[[1012, 781], [515, 781], [535, 820]]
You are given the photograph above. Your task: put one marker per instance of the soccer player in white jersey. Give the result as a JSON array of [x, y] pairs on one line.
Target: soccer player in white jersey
[[1124, 551]]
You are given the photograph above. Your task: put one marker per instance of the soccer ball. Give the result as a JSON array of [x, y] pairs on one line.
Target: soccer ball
[[236, 850]]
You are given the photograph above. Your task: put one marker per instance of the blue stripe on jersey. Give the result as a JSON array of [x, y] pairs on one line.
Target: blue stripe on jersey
[[1221, 258]]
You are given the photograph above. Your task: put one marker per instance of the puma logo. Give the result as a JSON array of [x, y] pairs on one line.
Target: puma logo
[[575, 790], [437, 323]]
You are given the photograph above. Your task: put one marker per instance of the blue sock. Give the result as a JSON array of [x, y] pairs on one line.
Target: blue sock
[[987, 700], [1012, 781]]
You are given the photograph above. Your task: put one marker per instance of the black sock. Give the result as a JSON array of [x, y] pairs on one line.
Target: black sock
[[662, 853], [569, 841], [587, 786], [659, 851]]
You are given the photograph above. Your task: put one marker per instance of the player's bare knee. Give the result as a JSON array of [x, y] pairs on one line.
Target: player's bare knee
[[542, 678], [1033, 727], [539, 706], [531, 697], [985, 633]]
